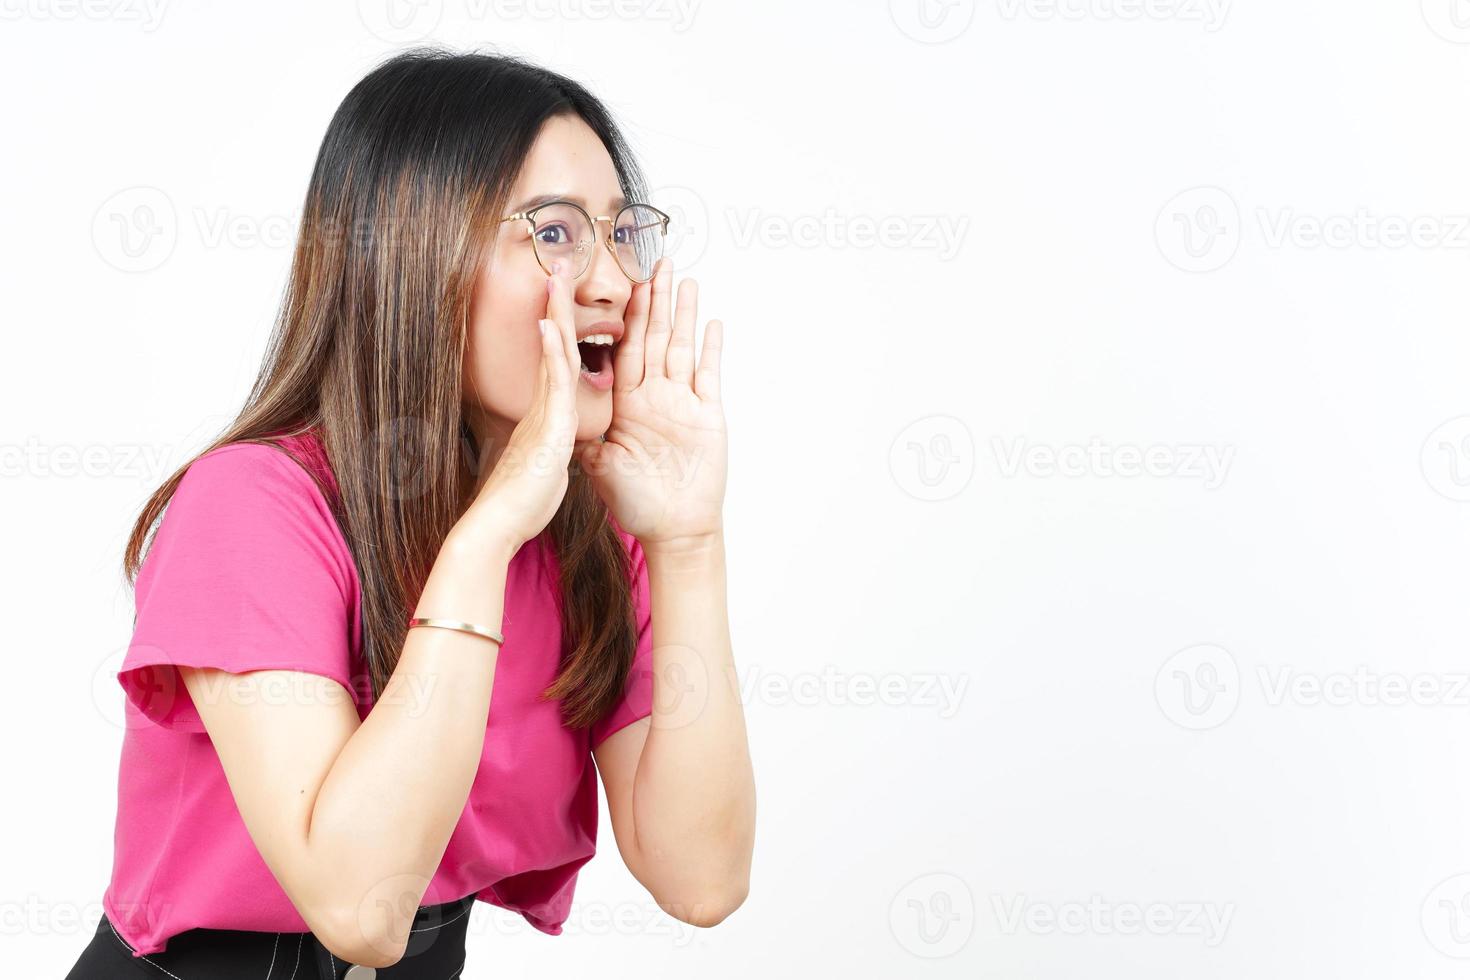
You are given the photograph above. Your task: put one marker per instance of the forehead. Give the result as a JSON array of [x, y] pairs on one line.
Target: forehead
[[567, 160]]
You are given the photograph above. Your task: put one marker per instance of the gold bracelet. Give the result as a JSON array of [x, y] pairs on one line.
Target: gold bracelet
[[454, 624]]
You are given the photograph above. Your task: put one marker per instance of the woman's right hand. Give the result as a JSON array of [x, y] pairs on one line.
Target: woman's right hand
[[530, 478]]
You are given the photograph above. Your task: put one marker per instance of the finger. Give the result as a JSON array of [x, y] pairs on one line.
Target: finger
[[558, 306], [628, 364], [553, 360], [543, 372], [707, 378], [559, 312], [553, 416], [680, 358], [559, 423], [656, 339]]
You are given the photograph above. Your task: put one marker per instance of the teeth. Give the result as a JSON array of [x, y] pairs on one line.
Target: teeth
[[601, 339]]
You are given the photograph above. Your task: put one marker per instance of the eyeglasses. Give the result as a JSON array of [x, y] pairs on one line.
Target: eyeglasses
[[564, 232]]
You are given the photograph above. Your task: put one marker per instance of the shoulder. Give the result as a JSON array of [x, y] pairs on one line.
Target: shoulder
[[247, 520], [248, 505], [248, 570], [248, 475], [253, 459]]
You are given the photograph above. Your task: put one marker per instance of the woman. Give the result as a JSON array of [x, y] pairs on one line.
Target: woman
[[480, 459]]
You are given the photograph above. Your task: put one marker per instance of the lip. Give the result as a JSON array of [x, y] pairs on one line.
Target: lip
[[614, 327], [602, 381], [599, 382]]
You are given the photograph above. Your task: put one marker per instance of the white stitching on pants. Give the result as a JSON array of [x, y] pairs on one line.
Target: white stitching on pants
[[165, 969], [143, 958], [446, 921], [301, 937]]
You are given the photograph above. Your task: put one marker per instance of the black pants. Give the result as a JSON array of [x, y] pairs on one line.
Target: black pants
[[436, 951]]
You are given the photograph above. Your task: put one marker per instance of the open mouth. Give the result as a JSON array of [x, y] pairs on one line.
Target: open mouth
[[597, 361]]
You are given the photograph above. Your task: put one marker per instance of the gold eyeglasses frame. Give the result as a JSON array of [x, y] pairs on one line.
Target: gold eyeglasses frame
[[530, 215]]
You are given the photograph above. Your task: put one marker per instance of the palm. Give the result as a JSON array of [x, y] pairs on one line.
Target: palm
[[662, 469]]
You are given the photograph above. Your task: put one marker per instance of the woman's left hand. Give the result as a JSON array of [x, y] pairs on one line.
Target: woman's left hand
[[661, 470]]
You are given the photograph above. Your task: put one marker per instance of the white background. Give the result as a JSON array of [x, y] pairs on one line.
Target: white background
[[1203, 720]]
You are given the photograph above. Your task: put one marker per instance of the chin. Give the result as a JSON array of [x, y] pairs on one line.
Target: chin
[[589, 429], [593, 421]]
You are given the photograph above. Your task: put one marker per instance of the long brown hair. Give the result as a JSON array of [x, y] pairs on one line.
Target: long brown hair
[[411, 178]]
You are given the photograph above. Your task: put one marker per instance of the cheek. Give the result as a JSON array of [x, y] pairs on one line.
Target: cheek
[[503, 350]]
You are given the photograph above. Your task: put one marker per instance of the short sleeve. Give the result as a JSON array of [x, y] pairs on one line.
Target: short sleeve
[[247, 571], [637, 700]]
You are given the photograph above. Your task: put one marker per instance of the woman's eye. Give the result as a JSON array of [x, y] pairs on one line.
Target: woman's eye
[[552, 234]]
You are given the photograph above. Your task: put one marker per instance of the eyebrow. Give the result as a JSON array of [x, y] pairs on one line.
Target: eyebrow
[[530, 203]]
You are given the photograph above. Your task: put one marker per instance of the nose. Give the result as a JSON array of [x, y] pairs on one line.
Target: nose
[[603, 283]]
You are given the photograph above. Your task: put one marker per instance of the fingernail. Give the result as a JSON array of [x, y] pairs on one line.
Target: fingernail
[[542, 325]]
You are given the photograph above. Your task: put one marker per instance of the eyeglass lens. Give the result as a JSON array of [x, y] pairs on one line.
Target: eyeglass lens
[[564, 233]]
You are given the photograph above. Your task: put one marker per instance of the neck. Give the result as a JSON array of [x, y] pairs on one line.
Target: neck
[[491, 436]]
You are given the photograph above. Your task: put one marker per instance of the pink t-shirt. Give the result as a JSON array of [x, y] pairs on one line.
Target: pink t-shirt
[[249, 571]]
